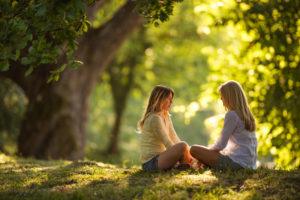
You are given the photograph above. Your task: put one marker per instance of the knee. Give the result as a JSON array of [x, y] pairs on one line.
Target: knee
[[193, 150], [183, 146]]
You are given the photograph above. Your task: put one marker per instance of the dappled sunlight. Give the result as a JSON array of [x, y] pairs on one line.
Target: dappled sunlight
[[4, 158], [188, 111], [206, 177], [203, 30], [179, 109], [214, 124], [94, 180]]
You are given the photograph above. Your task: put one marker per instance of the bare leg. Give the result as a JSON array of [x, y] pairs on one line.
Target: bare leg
[[187, 157], [205, 155], [178, 152]]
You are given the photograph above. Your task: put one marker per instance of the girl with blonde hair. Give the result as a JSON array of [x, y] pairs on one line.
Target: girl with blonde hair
[[161, 148], [236, 147]]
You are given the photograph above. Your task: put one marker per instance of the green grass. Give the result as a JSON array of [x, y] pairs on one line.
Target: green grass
[[35, 179]]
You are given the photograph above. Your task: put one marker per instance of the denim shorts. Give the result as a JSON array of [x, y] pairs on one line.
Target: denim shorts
[[151, 164], [224, 163]]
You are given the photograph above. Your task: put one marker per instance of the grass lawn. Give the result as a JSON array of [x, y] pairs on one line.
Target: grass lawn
[[42, 180]]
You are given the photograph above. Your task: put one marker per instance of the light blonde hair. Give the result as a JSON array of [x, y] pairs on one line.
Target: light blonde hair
[[155, 102], [234, 98]]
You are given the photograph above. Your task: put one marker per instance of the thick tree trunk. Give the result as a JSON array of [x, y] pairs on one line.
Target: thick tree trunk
[[54, 123]]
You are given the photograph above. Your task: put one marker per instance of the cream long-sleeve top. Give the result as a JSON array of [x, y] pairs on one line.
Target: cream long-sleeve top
[[239, 144], [156, 136]]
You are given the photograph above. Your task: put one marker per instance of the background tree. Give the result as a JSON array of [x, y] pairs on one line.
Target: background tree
[[263, 54], [276, 27], [121, 74], [54, 122]]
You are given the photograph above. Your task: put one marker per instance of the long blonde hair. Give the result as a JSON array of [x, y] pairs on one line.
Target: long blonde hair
[[155, 102], [234, 98]]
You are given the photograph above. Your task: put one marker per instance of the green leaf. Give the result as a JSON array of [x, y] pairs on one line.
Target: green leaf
[[14, 3], [4, 65], [25, 61], [69, 54], [17, 55], [50, 78], [85, 27], [28, 37], [56, 77], [29, 70], [62, 68], [31, 49], [22, 44], [41, 11], [75, 64]]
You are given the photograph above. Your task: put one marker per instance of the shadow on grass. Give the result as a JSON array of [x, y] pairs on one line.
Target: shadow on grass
[[91, 180], [232, 179], [35, 179]]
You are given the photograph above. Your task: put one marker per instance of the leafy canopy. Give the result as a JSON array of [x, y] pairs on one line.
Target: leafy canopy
[[37, 32], [263, 56], [33, 32]]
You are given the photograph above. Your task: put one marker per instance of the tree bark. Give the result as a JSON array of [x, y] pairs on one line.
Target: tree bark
[[54, 123]]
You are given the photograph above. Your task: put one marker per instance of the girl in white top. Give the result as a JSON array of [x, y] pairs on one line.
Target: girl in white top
[[236, 147], [160, 146]]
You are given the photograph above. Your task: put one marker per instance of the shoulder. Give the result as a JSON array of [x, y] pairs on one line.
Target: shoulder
[[231, 115], [168, 117], [153, 117]]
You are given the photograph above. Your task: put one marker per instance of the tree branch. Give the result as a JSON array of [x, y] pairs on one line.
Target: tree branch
[[93, 8], [97, 44]]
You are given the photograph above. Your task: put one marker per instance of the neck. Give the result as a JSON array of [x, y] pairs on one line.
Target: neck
[[162, 113], [228, 108]]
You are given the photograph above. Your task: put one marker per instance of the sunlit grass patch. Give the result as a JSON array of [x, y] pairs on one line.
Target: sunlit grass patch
[[4, 158], [34, 179]]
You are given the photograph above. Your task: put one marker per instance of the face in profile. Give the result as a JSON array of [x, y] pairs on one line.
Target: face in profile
[[222, 99], [224, 103], [167, 103]]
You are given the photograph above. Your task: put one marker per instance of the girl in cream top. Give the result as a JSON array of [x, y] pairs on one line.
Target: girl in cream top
[[156, 136], [160, 147]]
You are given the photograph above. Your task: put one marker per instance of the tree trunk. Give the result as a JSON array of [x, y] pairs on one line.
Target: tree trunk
[[120, 92], [54, 123], [121, 84], [113, 147]]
